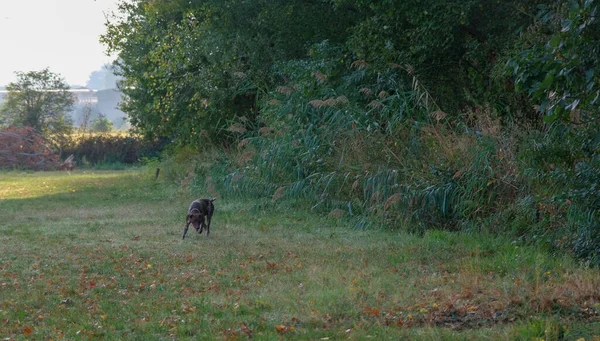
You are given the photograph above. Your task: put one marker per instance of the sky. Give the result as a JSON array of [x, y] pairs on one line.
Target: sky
[[59, 34]]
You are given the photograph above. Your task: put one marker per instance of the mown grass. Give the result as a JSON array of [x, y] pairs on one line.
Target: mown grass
[[99, 255]]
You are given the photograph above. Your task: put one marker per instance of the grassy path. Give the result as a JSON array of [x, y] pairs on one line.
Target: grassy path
[[99, 255]]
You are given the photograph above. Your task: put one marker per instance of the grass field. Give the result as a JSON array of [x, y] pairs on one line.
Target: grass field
[[99, 255]]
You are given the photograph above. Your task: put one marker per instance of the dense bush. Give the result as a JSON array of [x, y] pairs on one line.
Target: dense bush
[[110, 148]]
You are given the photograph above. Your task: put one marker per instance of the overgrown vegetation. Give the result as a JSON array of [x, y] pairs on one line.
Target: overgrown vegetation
[[475, 116], [102, 257], [25, 149], [98, 149]]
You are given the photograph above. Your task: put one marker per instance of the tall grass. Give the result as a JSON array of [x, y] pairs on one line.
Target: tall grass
[[372, 149], [369, 143]]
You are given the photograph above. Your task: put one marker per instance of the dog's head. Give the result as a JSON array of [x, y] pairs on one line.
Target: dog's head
[[193, 216]]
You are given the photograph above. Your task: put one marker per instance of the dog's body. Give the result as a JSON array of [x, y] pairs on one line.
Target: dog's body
[[199, 209]]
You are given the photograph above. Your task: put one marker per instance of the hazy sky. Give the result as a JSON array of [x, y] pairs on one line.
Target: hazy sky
[[59, 34]]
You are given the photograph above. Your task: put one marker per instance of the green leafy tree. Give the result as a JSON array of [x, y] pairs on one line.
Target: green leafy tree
[[101, 124], [558, 64], [190, 67], [40, 100], [103, 79], [452, 47]]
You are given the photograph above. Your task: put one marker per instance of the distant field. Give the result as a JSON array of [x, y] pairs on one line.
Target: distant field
[[78, 134], [99, 255]]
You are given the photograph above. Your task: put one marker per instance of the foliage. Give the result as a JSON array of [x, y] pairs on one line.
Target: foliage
[[189, 67], [95, 149], [558, 65], [563, 164], [40, 100], [23, 148], [366, 143], [455, 47], [101, 124], [557, 68]]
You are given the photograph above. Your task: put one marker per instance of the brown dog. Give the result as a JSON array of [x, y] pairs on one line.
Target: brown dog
[[199, 209]]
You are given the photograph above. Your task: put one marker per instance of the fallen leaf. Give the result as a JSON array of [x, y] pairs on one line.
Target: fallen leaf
[[281, 329], [337, 213], [279, 193]]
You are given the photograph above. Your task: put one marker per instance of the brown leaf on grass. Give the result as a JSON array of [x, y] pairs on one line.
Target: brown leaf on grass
[[244, 328], [359, 64], [237, 128], [337, 213], [330, 102], [438, 115], [188, 178], [279, 193], [375, 104], [355, 185], [264, 131], [321, 77], [371, 311], [391, 200], [243, 143], [375, 196], [286, 90], [281, 329], [237, 176], [366, 91], [316, 103], [271, 265], [244, 158], [27, 330], [212, 190], [383, 94], [274, 102], [239, 74], [342, 100]]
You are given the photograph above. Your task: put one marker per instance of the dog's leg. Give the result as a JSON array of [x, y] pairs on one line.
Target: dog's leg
[[208, 223], [201, 225], [211, 210], [187, 225]]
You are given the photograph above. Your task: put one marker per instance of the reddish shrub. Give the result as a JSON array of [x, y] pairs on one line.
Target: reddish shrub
[[23, 148]]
